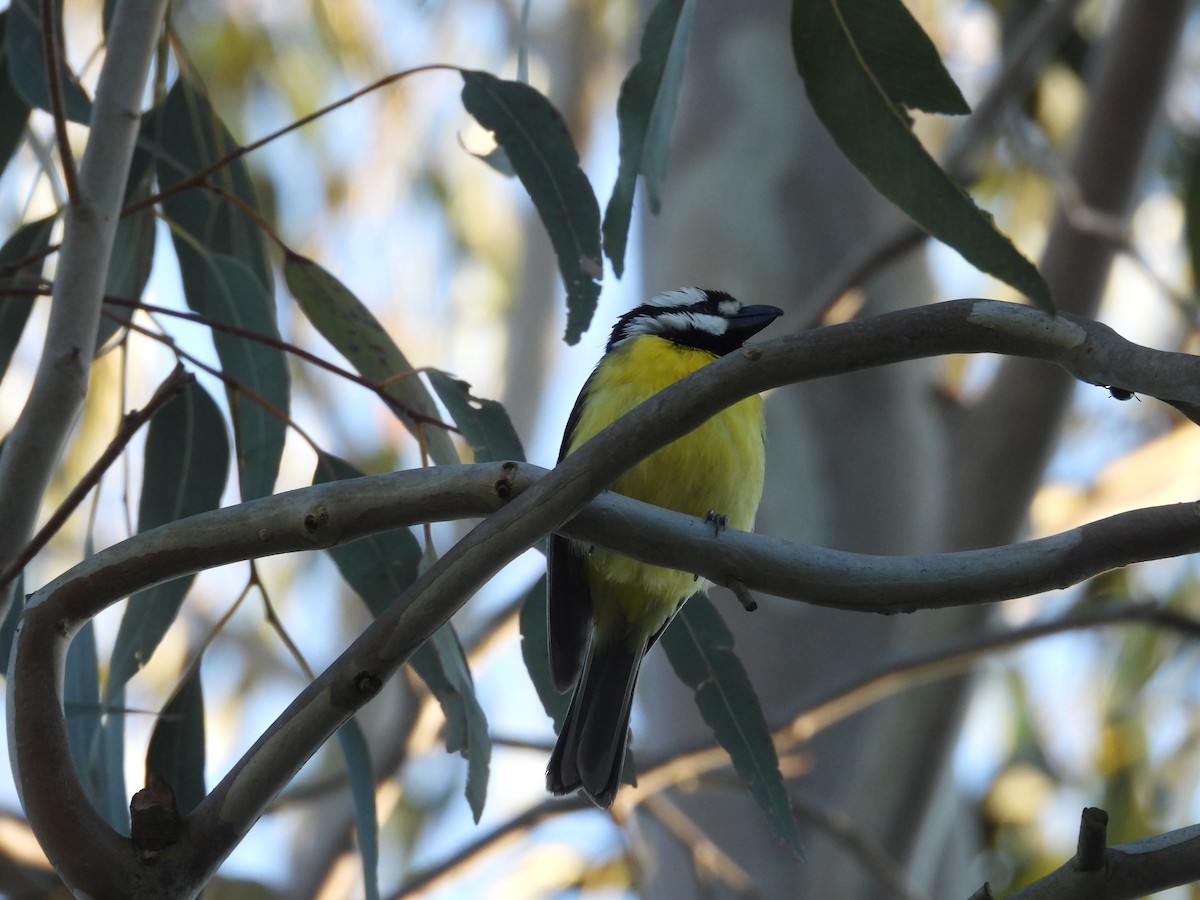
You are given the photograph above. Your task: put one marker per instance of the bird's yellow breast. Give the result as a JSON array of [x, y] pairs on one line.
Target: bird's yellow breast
[[717, 467]]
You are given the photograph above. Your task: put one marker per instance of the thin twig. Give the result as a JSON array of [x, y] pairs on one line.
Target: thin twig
[[130, 425], [469, 854], [376, 387], [201, 174], [54, 62], [707, 856], [898, 675], [227, 379]]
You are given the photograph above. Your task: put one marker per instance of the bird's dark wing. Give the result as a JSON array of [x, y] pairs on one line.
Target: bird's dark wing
[[569, 598], [570, 605]]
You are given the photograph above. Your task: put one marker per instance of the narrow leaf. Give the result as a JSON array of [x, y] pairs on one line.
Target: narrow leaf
[[14, 112], [534, 638], [378, 569], [361, 777], [8, 629], [645, 115], [225, 289], [28, 240], [484, 423], [861, 63], [26, 58], [186, 464], [538, 145], [114, 799], [132, 254], [353, 330], [700, 649], [95, 734], [81, 705], [225, 269], [186, 135], [176, 750]]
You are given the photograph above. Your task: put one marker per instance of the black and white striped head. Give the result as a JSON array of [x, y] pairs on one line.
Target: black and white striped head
[[693, 317]]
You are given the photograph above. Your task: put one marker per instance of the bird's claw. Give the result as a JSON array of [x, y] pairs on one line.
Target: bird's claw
[[719, 521]]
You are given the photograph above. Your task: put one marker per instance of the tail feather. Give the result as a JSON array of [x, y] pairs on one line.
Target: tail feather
[[591, 745]]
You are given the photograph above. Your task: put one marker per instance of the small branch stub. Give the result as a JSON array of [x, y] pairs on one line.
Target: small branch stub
[[153, 817], [749, 604], [315, 519], [368, 684], [504, 486], [1093, 840]]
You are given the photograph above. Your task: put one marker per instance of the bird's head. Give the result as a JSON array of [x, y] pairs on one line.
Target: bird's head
[[693, 317]]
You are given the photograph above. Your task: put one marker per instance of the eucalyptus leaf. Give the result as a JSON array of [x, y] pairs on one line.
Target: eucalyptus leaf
[[25, 54], [176, 751], [700, 648], [361, 778], [378, 569], [645, 115], [27, 241], [14, 111], [186, 465], [863, 64], [344, 321], [484, 423], [540, 150]]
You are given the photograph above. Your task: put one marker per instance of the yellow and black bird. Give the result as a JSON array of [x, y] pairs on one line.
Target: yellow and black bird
[[607, 610]]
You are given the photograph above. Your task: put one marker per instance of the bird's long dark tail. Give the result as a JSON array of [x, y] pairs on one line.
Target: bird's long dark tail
[[591, 744]]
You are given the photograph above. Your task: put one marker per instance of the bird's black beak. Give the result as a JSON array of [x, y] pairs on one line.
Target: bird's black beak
[[750, 320]]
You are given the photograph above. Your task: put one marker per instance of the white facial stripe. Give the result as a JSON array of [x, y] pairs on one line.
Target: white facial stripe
[[682, 297], [665, 323], [729, 307]]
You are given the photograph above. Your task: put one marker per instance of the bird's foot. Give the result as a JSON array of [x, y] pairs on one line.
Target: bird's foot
[[719, 521]]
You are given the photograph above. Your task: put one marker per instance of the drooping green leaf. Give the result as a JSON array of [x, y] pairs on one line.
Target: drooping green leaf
[[176, 750], [700, 649], [484, 423], [26, 57], [224, 289], [81, 705], [353, 330], [442, 665], [114, 800], [361, 778], [378, 569], [132, 254], [862, 63], [186, 464], [645, 114], [538, 145], [534, 651], [8, 628], [89, 731], [27, 241], [226, 272], [187, 135], [14, 112]]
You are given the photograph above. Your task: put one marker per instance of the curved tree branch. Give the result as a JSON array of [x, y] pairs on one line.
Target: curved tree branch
[[1127, 871], [328, 514], [33, 446]]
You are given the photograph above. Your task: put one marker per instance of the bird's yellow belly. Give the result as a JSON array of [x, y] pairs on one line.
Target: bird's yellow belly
[[717, 467]]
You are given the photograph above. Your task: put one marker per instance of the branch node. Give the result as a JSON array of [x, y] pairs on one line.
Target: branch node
[[749, 604]]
